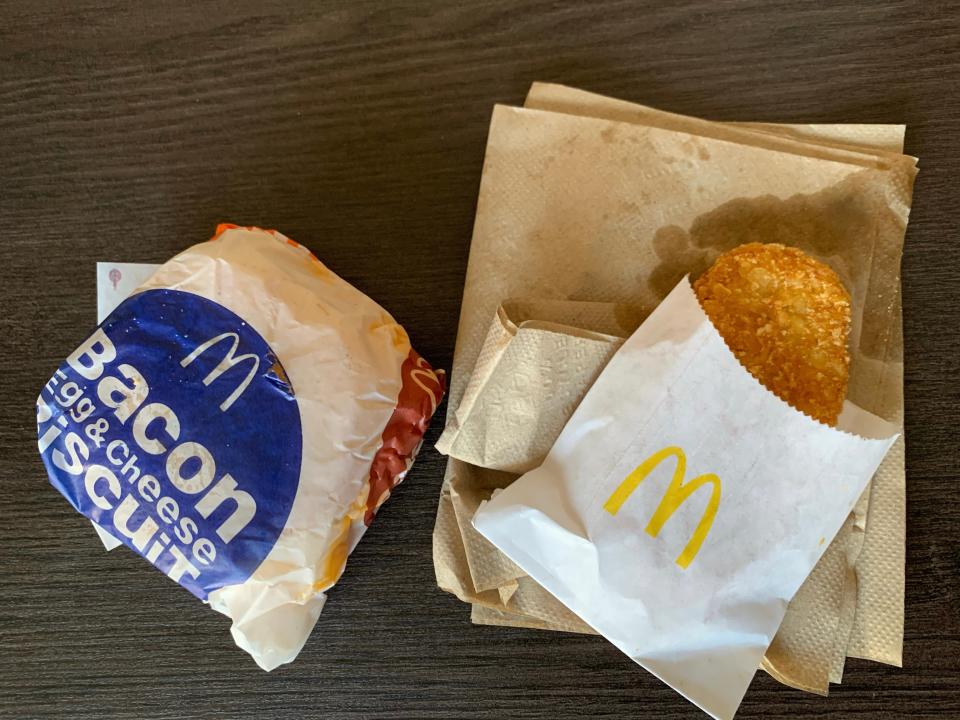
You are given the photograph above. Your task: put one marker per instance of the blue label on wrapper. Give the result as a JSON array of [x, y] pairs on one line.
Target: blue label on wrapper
[[175, 428]]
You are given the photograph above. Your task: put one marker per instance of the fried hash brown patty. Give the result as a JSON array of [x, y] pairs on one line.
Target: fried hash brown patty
[[786, 317]]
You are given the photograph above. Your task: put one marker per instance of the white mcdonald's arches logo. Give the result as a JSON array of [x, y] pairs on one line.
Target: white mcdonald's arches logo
[[229, 360], [677, 493]]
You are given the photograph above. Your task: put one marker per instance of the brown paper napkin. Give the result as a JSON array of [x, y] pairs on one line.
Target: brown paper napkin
[[535, 364], [574, 207]]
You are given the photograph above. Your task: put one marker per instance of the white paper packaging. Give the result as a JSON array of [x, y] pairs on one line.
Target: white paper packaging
[[684, 504], [238, 421], [116, 281]]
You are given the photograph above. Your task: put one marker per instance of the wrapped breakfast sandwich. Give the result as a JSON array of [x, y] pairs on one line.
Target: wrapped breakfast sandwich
[[238, 421]]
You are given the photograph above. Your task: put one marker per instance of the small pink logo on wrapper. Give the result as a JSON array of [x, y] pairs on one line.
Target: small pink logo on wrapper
[[114, 277]]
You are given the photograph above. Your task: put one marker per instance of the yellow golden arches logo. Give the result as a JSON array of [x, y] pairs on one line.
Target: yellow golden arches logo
[[677, 493]]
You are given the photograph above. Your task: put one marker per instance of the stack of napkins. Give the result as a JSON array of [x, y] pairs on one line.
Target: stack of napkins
[[591, 211]]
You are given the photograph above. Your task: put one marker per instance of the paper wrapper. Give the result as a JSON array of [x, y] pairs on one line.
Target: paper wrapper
[[193, 426], [683, 505], [602, 201]]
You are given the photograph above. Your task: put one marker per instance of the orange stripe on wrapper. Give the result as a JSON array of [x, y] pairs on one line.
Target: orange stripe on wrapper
[[223, 227], [420, 393]]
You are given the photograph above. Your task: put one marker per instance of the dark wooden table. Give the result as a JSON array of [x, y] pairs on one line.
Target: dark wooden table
[[128, 131]]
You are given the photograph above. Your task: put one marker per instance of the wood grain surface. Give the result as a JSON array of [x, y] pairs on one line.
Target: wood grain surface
[[127, 131]]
